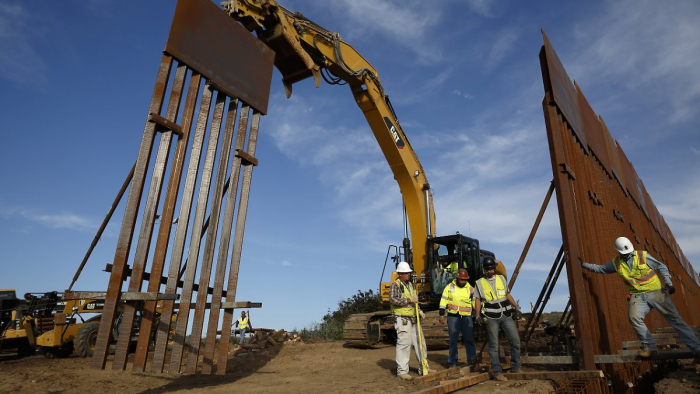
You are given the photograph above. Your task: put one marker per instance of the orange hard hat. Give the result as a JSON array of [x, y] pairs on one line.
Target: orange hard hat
[[462, 274]]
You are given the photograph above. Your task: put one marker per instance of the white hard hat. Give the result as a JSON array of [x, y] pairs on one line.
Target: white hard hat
[[403, 267], [624, 245]]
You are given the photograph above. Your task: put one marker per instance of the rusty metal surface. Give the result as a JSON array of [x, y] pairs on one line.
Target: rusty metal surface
[[222, 357], [148, 222], [593, 129], [209, 41], [222, 257], [600, 197], [236, 63], [131, 211], [148, 317], [212, 232], [562, 90], [168, 312]]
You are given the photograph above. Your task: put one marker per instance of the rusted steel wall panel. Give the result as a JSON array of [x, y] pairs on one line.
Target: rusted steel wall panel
[[599, 199], [152, 310], [593, 129], [563, 91], [222, 50], [129, 222], [616, 165]]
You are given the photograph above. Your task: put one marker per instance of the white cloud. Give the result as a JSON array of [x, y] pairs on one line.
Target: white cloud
[[465, 95], [481, 7], [54, 221], [20, 62], [654, 42], [405, 21], [501, 47]]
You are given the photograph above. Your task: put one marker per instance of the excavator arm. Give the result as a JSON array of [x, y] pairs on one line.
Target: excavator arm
[[304, 49]]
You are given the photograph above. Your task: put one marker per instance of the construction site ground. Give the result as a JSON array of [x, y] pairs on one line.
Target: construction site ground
[[288, 368]]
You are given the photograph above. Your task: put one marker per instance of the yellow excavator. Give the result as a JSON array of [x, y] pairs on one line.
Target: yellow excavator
[[304, 49]]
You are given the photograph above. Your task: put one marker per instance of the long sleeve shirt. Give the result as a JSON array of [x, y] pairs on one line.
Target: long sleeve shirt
[[396, 295], [653, 263]]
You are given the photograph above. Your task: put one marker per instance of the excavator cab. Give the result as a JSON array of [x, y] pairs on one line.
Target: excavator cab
[[449, 253]]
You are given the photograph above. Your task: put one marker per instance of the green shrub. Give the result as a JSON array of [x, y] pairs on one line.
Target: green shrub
[[331, 327]]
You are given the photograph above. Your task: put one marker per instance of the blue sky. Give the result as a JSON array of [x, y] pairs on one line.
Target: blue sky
[[464, 78]]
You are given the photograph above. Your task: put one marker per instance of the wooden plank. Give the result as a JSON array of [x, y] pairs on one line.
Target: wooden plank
[[454, 385], [554, 375]]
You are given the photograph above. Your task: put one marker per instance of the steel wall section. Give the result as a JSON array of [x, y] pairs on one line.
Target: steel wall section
[[151, 312], [601, 197]]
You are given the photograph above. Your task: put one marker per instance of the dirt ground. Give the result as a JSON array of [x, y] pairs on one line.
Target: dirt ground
[[287, 368]]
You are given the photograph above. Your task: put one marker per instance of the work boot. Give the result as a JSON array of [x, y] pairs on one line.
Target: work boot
[[405, 377], [500, 377], [517, 370], [644, 353]]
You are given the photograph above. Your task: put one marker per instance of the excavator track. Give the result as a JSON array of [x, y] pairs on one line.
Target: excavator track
[[369, 330], [376, 330]]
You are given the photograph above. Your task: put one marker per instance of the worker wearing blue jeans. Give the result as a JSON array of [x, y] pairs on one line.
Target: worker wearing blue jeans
[[643, 275], [495, 308], [456, 303]]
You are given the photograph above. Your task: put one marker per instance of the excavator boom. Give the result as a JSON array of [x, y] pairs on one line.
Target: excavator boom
[[305, 49]]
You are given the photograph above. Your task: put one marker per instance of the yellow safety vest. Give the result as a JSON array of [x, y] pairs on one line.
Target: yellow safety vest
[[457, 300], [496, 303], [452, 268], [641, 278], [243, 322], [408, 292]]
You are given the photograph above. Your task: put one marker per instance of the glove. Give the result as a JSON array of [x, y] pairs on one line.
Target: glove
[[421, 314], [517, 315], [671, 289], [482, 320], [414, 299]]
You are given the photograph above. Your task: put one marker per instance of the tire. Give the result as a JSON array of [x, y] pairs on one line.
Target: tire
[[85, 339]]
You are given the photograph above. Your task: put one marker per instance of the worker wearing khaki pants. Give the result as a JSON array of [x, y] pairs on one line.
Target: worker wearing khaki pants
[[403, 300]]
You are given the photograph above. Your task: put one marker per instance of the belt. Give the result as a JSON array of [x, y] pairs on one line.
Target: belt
[[457, 315]]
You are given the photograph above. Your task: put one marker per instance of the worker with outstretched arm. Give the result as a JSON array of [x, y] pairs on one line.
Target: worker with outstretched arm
[[243, 323], [403, 300], [640, 271], [499, 311], [456, 303]]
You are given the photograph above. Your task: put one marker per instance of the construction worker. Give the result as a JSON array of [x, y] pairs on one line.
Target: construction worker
[[242, 323], [640, 271], [499, 311], [403, 300], [453, 265], [457, 301]]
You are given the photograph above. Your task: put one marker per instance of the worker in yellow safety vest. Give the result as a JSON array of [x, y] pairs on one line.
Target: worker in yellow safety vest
[[403, 300], [243, 323], [499, 311], [640, 272], [456, 303]]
